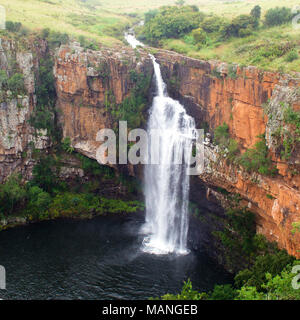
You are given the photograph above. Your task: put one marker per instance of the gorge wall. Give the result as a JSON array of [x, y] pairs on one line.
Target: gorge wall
[[16, 134], [95, 89], [91, 87], [252, 103]]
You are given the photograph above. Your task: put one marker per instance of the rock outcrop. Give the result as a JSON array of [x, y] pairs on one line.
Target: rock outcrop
[[16, 135], [89, 85]]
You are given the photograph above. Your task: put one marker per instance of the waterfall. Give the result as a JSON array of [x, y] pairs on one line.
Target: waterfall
[[171, 131]]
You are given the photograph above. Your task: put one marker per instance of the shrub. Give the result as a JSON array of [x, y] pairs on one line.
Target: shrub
[[16, 83], [92, 167], [232, 71], [291, 137], [56, 39], [12, 195], [277, 16], [233, 150], [66, 145], [38, 202], [45, 33], [249, 293], [212, 24], [13, 26], [221, 134], [256, 159], [118, 206], [273, 50], [70, 204], [229, 147], [245, 32], [131, 109], [223, 292], [87, 43], [291, 56], [187, 293], [278, 287], [244, 21], [3, 78], [199, 36], [44, 174]]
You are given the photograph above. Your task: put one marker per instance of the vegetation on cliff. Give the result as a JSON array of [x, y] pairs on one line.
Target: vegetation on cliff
[[265, 272], [133, 107], [275, 287], [47, 196], [255, 159], [11, 82]]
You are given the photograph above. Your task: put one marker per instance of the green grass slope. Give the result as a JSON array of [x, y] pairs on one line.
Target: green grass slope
[[75, 17]]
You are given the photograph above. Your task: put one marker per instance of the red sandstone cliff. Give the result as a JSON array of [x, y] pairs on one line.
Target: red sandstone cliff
[[250, 102], [88, 82]]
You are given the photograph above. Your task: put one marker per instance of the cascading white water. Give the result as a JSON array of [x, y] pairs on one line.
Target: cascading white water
[[171, 131]]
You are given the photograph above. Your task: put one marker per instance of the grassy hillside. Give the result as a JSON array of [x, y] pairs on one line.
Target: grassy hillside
[[105, 20], [241, 38], [75, 17], [244, 51], [227, 8]]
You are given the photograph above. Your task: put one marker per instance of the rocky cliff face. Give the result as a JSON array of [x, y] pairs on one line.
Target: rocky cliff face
[[91, 87], [214, 93], [16, 135], [252, 103]]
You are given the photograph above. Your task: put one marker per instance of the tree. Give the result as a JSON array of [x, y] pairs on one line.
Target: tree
[[171, 22], [223, 292], [256, 275], [150, 15], [256, 12], [13, 26], [39, 200], [277, 16], [11, 194], [280, 287], [180, 2], [249, 293], [240, 26]]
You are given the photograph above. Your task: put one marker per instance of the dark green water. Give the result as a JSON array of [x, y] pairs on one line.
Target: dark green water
[[95, 259]]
